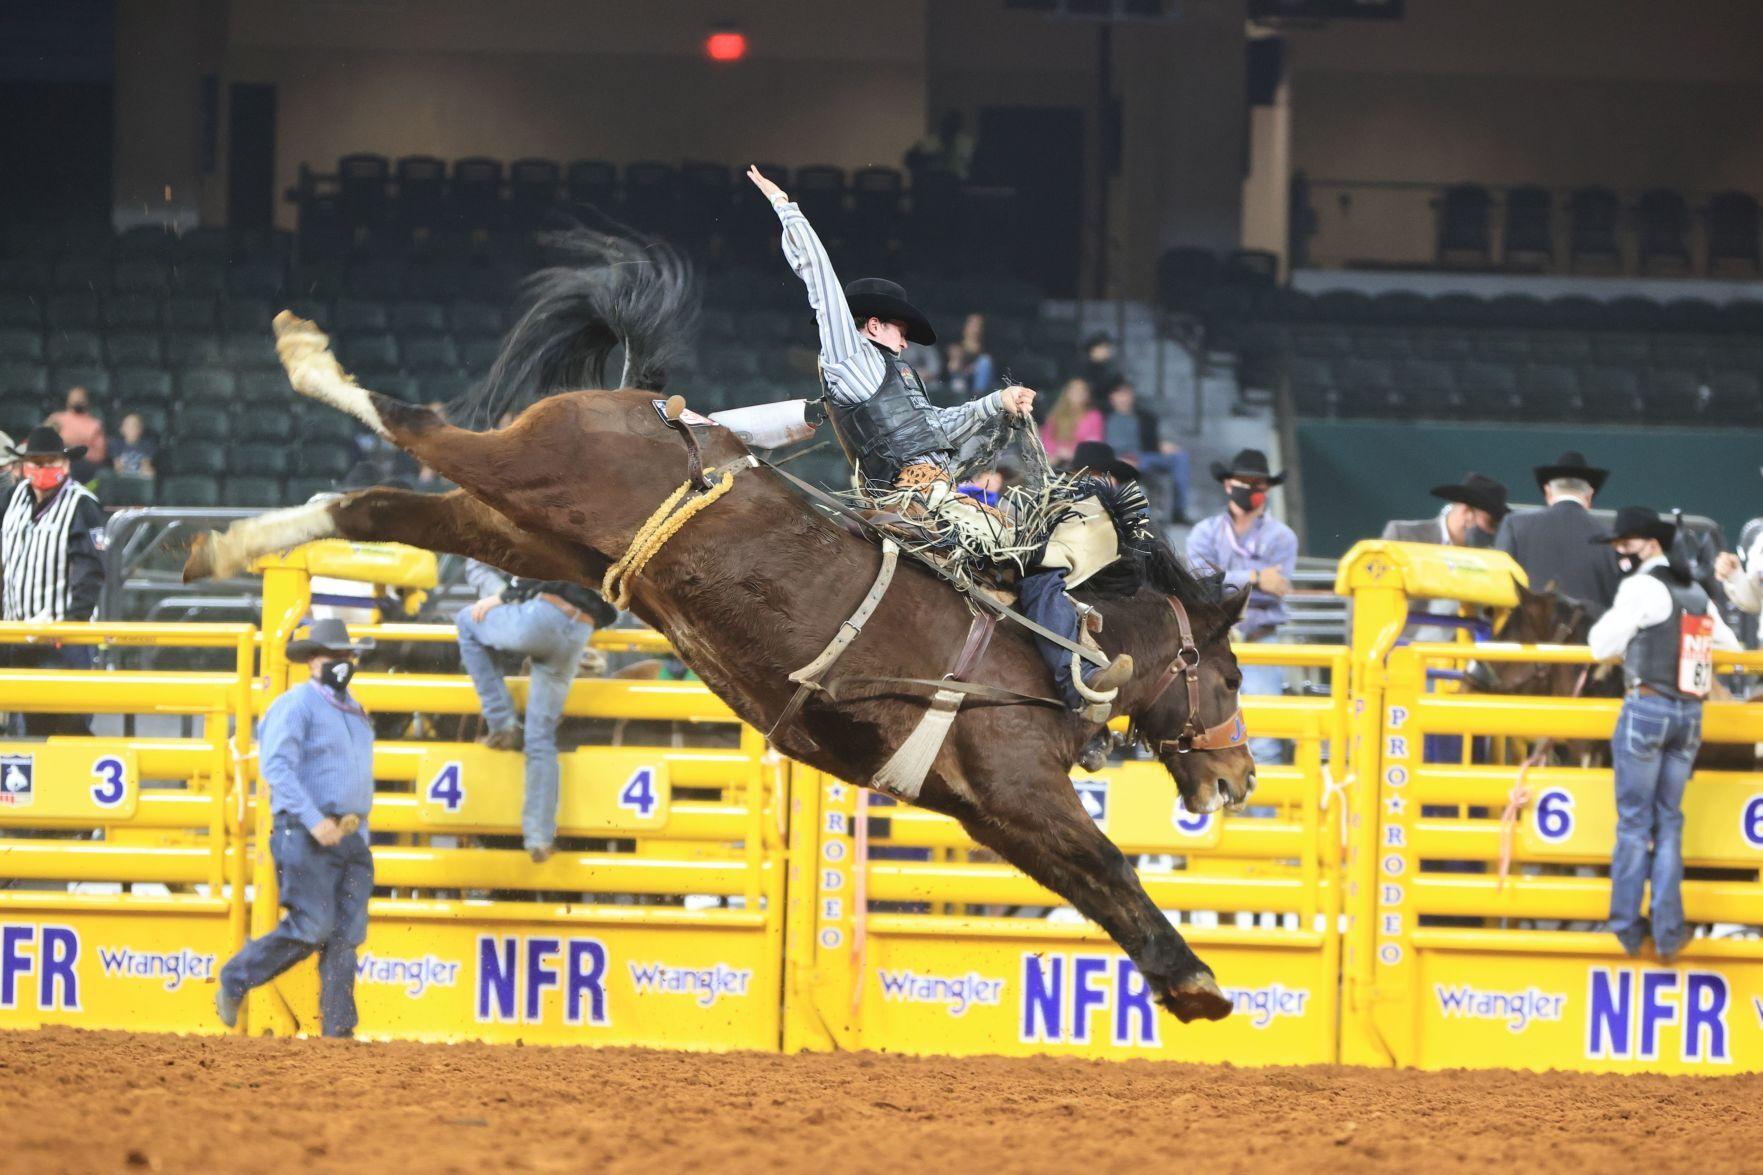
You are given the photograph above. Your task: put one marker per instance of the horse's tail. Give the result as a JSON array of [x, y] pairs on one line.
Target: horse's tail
[[608, 289]]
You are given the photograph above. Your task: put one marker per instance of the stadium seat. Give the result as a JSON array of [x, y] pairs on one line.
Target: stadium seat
[[17, 342], [87, 238], [253, 351], [1691, 314], [73, 346], [262, 460], [27, 274], [1733, 233], [1663, 229], [322, 424], [532, 192], [73, 311], [1184, 273], [1528, 240], [1429, 387], [1463, 225], [1502, 346], [1381, 343], [155, 418], [356, 316], [1674, 351], [140, 277], [475, 320], [21, 379], [262, 424], [132, 312], [135, 387], [1312, 387], [18, 309], [19, 416], [1633, 313], [193, 453], [190, 313], [95, 380], [326, 237], [145, 242], [1734, 398], [1550, 391], [82, 273], [201, 422], [1673, 393], [1518, 310], [367, 352], [331, 460], [476, 196], [117, 490], [133, 349], [398, 386], [204, 278], [361, 189], [380, 280], [416, 318], [650, 196], [1611, 394], [1443, 344], [211, 244], [705, 193], [297, 491], [1461, 310], [1593, 242], [878, 198], [246, 315], [206, 385], [478, 355], [1622, 348], [1488, 389], [1743, 316], [592, 183], [188, 491], [422, 191], [192, 350], [820, 193], [1561, 346]]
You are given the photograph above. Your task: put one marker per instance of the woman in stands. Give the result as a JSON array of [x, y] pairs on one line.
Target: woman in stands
[[1073, 420]]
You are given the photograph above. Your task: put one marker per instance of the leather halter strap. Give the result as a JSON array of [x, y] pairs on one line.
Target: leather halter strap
[[1232, 732]]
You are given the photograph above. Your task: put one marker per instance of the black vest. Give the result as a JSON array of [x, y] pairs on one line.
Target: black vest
[[893, 428], [1652, 655]]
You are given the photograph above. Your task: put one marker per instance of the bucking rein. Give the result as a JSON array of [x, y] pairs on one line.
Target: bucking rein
[[904, 773]]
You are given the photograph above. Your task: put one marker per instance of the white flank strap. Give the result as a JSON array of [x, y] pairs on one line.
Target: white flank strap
[[903, 774]]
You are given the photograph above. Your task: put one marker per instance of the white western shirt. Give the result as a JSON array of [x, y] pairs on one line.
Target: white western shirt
[[1641, 602]]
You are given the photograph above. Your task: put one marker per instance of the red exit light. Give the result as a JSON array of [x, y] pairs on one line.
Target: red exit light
[[726, 46]]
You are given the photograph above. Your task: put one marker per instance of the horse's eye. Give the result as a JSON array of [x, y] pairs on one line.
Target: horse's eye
[[1233, 684]]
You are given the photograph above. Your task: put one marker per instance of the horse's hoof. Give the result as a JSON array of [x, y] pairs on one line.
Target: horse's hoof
[[200, 563], [1198, 998]]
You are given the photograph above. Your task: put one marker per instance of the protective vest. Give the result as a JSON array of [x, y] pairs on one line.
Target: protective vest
[[40, 581], [892, 428], [1675, 656]]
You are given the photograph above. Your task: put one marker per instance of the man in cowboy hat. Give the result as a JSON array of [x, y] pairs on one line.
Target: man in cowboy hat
[[1664, 629], [316, 752], [51, 561], [893, 434], [1551, 544], [1471, 515], [1258, 554]]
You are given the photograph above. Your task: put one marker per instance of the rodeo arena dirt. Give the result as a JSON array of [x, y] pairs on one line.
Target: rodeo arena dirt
[[1077, 620]]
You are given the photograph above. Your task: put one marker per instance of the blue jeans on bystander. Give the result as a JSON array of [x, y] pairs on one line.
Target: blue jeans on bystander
[[1654, 750]]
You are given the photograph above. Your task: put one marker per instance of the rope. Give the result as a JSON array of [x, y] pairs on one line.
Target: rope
[[1521, 793], [654, 533]]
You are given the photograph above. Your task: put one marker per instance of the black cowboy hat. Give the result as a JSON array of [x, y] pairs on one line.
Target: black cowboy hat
[[1639, 522], [1571, 464], [1249, 463], [1100, 457], [44, 441], [1097, 339], [1478, 491], [877, 297], [325, 636]]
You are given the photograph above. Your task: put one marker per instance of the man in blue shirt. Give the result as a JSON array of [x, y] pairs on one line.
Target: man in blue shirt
[[1258, 554], [316, 750]]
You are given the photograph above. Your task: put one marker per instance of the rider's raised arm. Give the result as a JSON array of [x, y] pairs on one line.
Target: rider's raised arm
[[852, 368], [969, 426]]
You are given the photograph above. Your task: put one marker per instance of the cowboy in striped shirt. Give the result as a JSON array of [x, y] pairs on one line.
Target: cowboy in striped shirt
[[51, 560]]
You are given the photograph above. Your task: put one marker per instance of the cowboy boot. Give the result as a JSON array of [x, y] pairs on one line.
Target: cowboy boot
[[1109, 677]]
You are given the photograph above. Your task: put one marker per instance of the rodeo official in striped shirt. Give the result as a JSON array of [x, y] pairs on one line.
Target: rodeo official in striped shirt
[[51, 561]]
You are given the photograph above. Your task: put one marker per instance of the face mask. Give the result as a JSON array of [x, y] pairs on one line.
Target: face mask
[[337, 674], [78, 409], [1246, 499], [48, 477], [1475, 536], [1627, 563]]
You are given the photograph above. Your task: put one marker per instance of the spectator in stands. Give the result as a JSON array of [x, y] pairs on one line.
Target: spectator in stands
[[1133, 431], [316, 751], [1073, 420], [1553, 545], [978, 372], [1664, 629], [51, 561], [1099, 459], [1743, 577], [9, 473], [1098, 367], [81, 428], [1256, 553], [549, 621], [132, 454]]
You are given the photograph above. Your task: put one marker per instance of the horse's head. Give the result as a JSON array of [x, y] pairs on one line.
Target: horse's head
[[1189, 715], [1541, 618]]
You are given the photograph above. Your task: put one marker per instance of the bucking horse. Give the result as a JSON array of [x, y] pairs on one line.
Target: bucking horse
[[750, 582]]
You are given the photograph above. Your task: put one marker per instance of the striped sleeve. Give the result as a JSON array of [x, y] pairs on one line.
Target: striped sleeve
[[850, 365]]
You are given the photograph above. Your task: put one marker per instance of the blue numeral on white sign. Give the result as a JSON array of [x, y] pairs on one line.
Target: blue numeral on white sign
[[639, 792], [448, 787]]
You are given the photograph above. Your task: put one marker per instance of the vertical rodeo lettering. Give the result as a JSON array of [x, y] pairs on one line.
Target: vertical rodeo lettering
[[1608, 1013], [495, 979], [587, 974], [1084, 997], [1041, 998], [1133, 1002], [538, 975]]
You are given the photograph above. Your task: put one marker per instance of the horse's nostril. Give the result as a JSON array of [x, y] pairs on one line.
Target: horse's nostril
[[1249, 785]]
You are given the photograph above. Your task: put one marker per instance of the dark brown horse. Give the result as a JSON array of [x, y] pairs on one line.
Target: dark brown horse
[[756, 584]]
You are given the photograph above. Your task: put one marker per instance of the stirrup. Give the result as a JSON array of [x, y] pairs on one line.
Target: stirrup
[[1112, 676]]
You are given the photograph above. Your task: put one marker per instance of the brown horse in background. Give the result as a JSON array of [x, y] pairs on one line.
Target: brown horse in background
[[756, 584]]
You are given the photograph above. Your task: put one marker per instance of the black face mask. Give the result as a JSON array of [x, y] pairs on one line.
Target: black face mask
[[1246, 499], [337, 674], [1627, 563], [1475, 536]]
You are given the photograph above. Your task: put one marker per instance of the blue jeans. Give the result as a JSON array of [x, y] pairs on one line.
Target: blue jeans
[[1042, 599], [1265, 681], [1172, 466], [325, 892], [1654, 751], [554, 642]]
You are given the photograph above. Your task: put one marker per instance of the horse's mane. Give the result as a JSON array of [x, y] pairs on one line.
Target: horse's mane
[[1155, 565], [607, 289]]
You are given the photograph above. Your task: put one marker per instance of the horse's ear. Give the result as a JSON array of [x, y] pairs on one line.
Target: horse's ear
[[1233, 608], [1551, 588]]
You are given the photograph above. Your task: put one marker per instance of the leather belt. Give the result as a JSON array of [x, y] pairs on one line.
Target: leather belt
[[563, 606]]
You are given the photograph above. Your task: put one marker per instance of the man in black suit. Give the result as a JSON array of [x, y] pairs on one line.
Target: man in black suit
[[1555, 545]]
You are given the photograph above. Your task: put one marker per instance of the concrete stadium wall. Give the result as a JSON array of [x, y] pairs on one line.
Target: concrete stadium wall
[[1356, 475]]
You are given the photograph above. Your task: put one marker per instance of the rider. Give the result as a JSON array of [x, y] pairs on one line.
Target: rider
[[896, 436]]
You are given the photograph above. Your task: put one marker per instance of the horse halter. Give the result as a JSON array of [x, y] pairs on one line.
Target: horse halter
[[1232, 732]]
